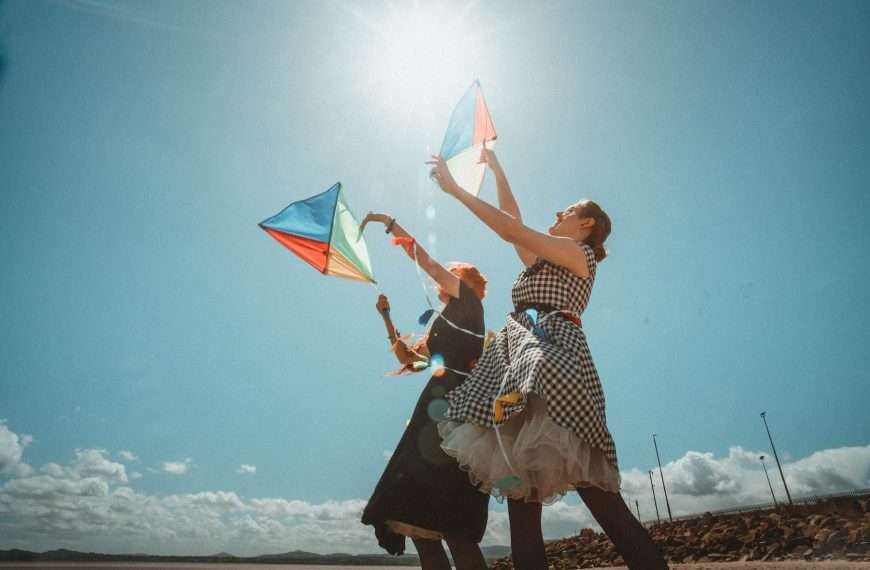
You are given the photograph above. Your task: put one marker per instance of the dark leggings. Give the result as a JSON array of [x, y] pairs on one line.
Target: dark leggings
[[629, 536], [466, 554]]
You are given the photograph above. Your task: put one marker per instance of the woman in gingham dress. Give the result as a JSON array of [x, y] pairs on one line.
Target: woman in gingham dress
[[529, 424]]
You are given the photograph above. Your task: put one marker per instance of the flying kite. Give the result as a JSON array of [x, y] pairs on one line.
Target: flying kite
[[324, 233], [470, 127]]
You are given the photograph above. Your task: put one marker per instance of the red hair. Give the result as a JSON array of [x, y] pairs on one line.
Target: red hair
[[469, 275]]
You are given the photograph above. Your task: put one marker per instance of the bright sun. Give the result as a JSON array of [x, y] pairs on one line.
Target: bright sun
[[417, 50]]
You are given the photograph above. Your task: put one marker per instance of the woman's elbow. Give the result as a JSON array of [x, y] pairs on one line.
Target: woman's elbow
[[509, 234]]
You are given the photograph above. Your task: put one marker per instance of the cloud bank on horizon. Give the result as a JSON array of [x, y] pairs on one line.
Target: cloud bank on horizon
[[90, 503]]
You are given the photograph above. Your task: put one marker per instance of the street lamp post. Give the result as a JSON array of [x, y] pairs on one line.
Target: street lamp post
[[664, 488], [775, 456], [637, 506], [761, 458], [655, 503]]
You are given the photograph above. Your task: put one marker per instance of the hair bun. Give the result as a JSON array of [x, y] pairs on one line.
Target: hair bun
[[600, 252]]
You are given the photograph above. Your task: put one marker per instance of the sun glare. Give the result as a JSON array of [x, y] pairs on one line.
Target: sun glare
[[416, 51]]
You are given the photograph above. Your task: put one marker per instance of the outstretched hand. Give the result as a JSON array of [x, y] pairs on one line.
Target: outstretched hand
[[441, 174], [488, 157], [383, 304], [374, 217]]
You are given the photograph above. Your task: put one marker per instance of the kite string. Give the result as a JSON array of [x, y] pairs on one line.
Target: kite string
[[429, 302], [537, 322], [467, 374], [495, 425]]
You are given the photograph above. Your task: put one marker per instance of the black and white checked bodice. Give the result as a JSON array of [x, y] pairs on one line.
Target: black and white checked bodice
[[550, 284]]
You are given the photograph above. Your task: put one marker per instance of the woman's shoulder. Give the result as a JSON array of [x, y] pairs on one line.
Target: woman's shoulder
[[543, 265], [467, 298], [591, 262]]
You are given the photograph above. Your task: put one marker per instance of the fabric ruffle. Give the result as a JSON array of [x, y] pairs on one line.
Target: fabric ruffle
[[412, 531], [548, 460]]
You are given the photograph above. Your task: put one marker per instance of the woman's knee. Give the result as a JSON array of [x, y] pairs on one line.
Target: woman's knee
[[427, 545], [466, 554], [432, 555]]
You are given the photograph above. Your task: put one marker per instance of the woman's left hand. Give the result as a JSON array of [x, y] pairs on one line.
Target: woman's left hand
[[374, 217], [383, 305], [441, 174]]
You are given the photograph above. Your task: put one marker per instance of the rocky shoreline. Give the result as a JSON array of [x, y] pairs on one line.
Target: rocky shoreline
[[834, 529]]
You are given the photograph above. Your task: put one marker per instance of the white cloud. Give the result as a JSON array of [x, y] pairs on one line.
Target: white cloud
[[176, 467], [387, 454], [829, 471], [245, 469], [127, 455], [95, 462], [53, 469], [135, 475], [87, 505], [11, 449], [699, 482], [48, 487], [699, 474]]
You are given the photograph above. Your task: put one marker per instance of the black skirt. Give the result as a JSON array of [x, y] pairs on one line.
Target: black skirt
[[422, 486]]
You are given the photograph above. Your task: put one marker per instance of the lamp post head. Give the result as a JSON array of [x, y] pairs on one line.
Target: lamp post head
[[761, 457], [763, 414]]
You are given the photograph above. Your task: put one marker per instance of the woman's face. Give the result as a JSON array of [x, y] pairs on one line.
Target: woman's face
[[570, 222]]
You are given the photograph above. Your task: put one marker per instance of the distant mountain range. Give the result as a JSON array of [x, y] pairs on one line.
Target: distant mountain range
[[294, 557]]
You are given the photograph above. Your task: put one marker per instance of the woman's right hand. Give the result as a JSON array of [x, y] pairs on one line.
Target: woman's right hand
[[441, 174], [488, 157], [383, 304]]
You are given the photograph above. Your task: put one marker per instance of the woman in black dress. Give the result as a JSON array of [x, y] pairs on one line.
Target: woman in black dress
[[422, 493]]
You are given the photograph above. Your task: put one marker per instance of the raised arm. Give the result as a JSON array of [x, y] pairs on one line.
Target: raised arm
[[446, 280], [506, 201], [403, 354], [383, 307], [562, 251]]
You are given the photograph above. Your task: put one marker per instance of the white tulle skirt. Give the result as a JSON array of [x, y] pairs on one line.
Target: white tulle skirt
[[548, 461]]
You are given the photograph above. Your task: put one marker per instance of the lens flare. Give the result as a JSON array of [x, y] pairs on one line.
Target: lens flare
[[437, 409], [437, 365]]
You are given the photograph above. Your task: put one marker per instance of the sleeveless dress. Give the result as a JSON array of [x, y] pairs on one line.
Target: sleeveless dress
[[422, 492], [538, 384]]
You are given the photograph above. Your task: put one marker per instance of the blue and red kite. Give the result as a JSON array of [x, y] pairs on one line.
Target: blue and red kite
[[323, 231], [470, 127]]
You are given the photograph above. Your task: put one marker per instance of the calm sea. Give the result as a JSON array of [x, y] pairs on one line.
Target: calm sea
[[182, 566]]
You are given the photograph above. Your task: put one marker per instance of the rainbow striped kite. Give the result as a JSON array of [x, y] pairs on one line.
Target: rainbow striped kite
[[323, 232], [470, 126]]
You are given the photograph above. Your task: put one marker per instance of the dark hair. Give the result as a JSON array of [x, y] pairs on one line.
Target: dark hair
[[600, 230]]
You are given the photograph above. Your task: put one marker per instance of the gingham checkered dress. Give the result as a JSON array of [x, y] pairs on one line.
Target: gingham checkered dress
[[557, 367]]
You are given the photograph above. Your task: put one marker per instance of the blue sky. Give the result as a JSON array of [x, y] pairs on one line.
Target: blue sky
[[144, 312]]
